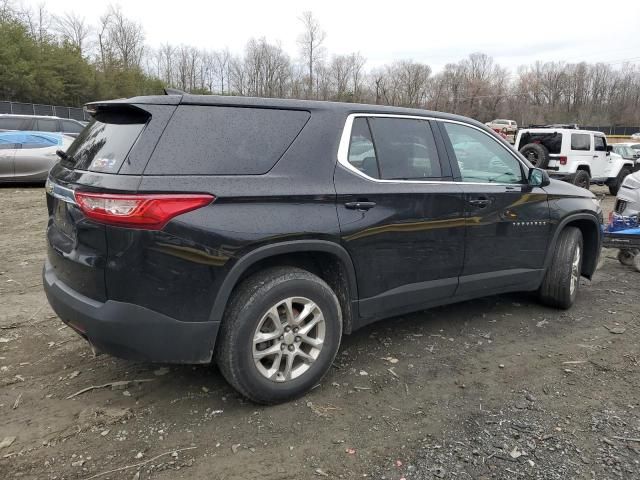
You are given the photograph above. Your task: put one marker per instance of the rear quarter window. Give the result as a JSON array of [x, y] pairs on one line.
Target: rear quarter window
[[580, 141], [209, 140]]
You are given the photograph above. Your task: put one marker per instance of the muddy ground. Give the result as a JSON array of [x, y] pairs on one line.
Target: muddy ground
[[495, 388]]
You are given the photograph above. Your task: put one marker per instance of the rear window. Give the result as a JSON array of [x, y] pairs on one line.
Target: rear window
[[580, 141], [552, 140], [106, 141], [204, 140]]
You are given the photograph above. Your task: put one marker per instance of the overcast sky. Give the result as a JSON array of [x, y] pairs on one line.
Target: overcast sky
[[434, 32]]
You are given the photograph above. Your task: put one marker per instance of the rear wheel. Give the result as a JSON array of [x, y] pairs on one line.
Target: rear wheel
[[582, 179], [562, 279], [280, 334], [614, 185]]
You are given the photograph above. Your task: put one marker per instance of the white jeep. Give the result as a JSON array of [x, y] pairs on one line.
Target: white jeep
[[577, 156]]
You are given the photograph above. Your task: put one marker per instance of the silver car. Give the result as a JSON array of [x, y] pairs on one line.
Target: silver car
[[28, 156]]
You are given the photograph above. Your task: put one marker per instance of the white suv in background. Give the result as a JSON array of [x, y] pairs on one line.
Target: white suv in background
[[577, 156], [509, 127]]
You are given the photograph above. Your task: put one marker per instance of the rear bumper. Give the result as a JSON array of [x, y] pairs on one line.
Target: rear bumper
[[130, 331]]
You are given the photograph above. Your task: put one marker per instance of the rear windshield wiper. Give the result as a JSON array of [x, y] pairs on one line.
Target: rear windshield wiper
[[65, 156]]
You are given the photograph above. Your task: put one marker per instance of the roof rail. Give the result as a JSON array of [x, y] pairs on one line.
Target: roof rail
[[173, 91], [573, 126]]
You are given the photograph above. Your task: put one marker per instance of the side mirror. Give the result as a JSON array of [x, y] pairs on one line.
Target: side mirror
[[609, 148], [538, 177]]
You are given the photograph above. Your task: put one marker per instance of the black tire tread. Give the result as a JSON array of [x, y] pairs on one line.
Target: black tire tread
[[542, 152], [249, 291], [554, 290]]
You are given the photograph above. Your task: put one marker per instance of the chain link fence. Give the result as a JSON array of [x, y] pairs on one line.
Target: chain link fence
[[38, 109]]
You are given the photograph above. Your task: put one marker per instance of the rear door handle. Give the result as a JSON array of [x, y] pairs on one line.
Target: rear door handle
[[479, 202], [360, 205]]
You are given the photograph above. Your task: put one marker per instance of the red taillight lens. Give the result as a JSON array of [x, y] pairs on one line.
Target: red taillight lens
[[149, 212], [563, 160]]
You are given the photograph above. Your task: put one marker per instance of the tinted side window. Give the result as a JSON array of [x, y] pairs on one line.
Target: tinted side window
[[47, 125], [599, 144], [10, 123], [362, 153], [71, 127], [580, 141], [405, 148], [481, 158], [207, 140]]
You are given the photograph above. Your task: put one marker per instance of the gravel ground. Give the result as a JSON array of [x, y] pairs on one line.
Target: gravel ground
[[494, 388]]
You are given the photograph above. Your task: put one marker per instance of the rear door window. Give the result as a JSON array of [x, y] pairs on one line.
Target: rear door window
[[362, 153], [210, 140], [580, 141], [405, 148], [105, 143]]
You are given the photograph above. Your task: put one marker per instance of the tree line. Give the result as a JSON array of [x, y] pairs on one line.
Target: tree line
[[66, 60]]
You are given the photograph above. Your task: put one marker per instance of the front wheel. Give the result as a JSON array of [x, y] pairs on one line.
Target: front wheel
[[614, 186], [280, 334], [562, 279]]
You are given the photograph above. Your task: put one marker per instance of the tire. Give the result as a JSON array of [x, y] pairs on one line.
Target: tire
[[556, 289], [627, 256], [615, 185], [247, 314], [537, 154], [582, 179], [636, 263]]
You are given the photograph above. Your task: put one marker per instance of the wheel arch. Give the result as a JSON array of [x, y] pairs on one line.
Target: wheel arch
[[589, 226], [329, 260], [584, 167]]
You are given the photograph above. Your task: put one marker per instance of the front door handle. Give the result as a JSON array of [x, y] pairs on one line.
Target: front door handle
[[479, 202], [360, 205]]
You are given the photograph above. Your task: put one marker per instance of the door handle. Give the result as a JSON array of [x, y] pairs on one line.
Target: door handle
[[360, 205], [479, 202]]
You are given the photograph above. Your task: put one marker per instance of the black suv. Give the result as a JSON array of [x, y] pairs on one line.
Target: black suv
[[255, 232]]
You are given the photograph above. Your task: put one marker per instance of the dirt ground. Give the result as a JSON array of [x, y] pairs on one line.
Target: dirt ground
[[495, 388]]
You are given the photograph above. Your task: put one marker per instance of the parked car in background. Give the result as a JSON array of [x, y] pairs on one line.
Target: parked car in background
[[28, 156], [576, 156], [628, 153], [635, 136], [508, 127], [254, 232], [40, 123]]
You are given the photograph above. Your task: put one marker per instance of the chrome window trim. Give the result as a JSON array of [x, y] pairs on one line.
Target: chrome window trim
[[345, 140], [58, 191]]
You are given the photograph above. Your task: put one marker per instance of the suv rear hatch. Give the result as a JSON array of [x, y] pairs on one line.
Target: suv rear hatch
[[77, 248]]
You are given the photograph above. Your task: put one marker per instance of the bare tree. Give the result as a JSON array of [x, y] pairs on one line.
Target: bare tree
[[310, 43], [73, 30]]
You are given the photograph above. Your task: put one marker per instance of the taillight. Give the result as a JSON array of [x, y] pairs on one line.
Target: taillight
[[149, 212], [563, 160]]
